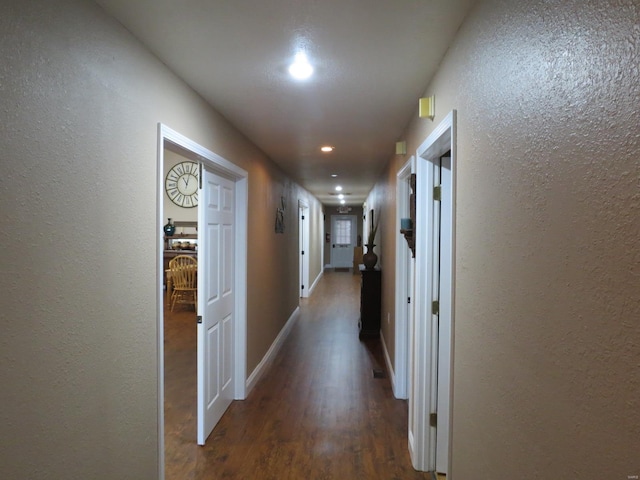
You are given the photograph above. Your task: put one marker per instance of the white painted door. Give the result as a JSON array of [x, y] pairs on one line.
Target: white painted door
[[343, 239], [442, 283], [435, 316], [215, 300], [404, 286], [303, 232]]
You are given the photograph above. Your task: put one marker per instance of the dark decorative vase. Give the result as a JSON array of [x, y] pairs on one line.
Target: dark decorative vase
[[169, 229], [370, 259]]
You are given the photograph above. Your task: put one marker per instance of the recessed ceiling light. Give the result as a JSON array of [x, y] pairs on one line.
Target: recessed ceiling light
[[300, 69], [342, 202], [327, 148], [341, 196], [338, 188], [334, 175]]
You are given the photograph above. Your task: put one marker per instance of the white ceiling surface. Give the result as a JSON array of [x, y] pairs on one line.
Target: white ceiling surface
[[373, 59]]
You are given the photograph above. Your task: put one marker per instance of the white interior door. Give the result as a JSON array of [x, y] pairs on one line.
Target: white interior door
[[442, 321], [404, 286], [303, 213], [343, 239], [215, 300], [432, 335]]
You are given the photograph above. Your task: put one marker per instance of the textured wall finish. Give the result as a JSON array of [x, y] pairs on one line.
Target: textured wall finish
[[80, 104], [547, 365]]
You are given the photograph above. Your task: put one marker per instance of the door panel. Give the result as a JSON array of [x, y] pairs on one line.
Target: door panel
[[343, 239], [435, 317], [303, 231], [444, 324], [216, 306]]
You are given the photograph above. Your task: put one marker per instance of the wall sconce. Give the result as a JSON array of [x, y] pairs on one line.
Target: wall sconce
[[426, 107], [401, 148]]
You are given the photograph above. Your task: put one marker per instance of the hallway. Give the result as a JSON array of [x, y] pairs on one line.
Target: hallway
[[317, 413]]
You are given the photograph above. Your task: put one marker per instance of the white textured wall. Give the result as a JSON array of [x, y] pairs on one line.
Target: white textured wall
[[547, 357], [80, 100]]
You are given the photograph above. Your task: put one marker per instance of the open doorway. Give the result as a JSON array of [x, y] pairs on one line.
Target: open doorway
[[171, 141], [180, 243]]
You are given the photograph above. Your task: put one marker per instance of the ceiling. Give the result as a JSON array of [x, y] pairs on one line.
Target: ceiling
[[372, 60]]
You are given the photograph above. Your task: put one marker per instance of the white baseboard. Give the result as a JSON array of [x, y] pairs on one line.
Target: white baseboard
[[315, 282], [271, 353], [387, 361]]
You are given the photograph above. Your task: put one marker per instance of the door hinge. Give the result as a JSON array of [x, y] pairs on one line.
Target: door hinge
[[408, 299], [302, 253], [433, 419], [302, 287], [435, 307], [302, 217], [437, 193], [199, 318]]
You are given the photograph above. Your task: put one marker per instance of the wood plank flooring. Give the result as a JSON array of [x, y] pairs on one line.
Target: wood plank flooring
[[318, 413]]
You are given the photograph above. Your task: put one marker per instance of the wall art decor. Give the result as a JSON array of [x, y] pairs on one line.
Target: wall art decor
[[280, 216]]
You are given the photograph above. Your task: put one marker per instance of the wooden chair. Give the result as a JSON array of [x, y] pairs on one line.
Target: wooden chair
[[184, 271]]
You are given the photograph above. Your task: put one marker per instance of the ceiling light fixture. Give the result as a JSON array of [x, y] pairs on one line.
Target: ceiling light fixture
[[338, 188], [300, 69], [327, 148], [334, 175], [342, 202], [341, 196]]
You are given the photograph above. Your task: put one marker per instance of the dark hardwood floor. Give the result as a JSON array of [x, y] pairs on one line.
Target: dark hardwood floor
[[318, 413]]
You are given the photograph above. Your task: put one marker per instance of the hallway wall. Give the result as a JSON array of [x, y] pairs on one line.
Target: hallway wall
[[81, 101], [546, 364]]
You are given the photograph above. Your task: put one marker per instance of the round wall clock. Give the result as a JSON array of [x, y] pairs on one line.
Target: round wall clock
[[181, 184]]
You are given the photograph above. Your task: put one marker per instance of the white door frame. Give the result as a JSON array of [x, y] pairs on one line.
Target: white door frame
[[222, 166], [404, 286], [423, 395], [303, 232]]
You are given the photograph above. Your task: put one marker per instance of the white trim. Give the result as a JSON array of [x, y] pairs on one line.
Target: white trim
[[404, 285], [315, 282], [160, 300], [387, 360], [224, 167], [424, 381], [268, 358]]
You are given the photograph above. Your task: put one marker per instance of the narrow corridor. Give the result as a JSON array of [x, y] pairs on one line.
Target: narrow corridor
[[317, 413]]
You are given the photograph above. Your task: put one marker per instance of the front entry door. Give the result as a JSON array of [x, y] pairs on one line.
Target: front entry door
[[215, 300], [343, 239]]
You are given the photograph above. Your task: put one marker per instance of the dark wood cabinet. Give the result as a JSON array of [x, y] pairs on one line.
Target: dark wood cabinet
[[370, 302]]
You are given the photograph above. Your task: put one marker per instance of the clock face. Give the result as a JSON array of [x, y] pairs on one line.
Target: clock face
[[181, 184]]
